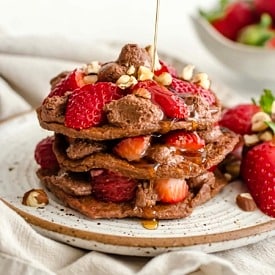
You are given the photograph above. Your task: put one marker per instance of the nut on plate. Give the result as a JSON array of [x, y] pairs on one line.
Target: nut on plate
[[246, 202], [35, 198]]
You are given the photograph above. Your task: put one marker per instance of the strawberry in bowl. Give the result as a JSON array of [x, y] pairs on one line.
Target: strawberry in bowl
[[239, 37]]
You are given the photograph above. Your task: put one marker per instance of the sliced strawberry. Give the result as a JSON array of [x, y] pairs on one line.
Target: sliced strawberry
[[85, 106], [258, 172], [133, 148], [71, 82], [184, 140], [166, 68], [44, 154], [113, 187], [182, 87], [171, 190], [172, 105], [238, 118]]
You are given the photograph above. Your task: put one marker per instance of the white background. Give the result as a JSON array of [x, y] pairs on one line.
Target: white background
[[128, 21]]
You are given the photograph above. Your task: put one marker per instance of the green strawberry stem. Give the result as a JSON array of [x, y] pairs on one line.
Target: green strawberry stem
[[217, 13], [265, 102], [257, 34], [271, 125]]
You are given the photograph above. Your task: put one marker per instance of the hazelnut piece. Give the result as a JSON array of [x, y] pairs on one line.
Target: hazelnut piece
[[246, 202], [35, 198]]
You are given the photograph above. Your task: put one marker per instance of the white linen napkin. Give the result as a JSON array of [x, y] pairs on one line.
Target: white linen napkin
[[24, 251], [26, 65]]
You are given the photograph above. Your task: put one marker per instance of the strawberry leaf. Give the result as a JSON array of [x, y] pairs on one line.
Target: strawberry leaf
[[271, 125], [266, 101], [216, 13]]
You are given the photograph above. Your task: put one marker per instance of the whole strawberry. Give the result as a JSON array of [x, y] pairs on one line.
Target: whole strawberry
[[258, 173], [238, 118], [44, 154]]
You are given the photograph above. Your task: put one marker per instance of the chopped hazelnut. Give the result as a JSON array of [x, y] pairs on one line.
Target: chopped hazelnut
[[258, 121], [164, 79], [233, 168], [92, 68], [142, 92], [35, 198], [144, 73], [90, 79], [126, 81], [266, 136], [246, 202], [187, 72], [131, 70], [202, 80], [251, 139], [228, 177]]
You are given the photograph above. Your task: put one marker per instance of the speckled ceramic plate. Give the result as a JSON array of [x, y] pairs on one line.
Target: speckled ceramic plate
[[214, 226]]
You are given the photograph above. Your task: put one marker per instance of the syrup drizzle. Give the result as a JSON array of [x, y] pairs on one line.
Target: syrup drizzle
[[156, 35]]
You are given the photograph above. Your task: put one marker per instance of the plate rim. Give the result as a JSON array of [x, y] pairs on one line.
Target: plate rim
[[143, 242]]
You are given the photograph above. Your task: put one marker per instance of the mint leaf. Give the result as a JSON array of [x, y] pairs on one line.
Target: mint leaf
[[271, 125], [266, 101]]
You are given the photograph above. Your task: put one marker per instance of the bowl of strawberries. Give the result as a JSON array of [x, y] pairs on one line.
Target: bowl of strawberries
[[241, 35]]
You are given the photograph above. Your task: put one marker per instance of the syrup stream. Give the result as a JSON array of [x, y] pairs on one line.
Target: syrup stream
[[152, 224], [156, 34]]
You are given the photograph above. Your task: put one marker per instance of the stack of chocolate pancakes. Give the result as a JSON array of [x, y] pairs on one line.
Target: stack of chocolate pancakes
[[133, 139]]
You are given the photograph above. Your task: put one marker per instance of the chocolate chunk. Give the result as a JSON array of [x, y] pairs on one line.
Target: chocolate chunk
[[132, 54], [133, 112], [110, 72], [145, 195], [53, 109]]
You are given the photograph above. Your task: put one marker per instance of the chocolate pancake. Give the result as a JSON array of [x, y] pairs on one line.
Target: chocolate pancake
[[172, 165], [51, 117], [95, 209]]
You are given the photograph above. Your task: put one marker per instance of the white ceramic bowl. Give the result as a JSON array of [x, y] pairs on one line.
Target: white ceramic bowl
[[258, 63]]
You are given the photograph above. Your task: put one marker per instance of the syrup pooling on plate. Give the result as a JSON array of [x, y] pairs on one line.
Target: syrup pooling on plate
[[150, 224]]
